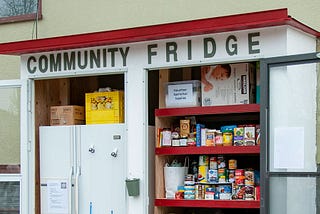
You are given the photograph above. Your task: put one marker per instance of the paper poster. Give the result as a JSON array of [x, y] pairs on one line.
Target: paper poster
[[57, 196], [289, 148]]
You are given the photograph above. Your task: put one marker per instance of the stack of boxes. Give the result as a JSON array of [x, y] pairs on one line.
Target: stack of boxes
[[233, 84], [66, 115], [100, 108]]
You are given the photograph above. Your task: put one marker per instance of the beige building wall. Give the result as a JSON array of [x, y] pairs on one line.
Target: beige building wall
[[82, 16]]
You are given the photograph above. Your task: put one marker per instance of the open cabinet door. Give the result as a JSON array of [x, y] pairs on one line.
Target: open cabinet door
[[290, 124]]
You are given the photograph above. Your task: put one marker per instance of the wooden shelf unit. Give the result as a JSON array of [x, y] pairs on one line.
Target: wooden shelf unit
[[204, 150], [165, 117], [241, 204], [208, 110]]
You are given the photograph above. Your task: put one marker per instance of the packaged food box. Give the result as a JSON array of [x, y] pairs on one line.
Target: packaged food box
[[249, 136], [228, 84], [66, 115], [183, 94], [105, 107], [238, 136]]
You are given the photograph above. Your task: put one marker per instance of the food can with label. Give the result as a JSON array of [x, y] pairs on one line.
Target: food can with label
[[200, 191], [183, 141], [232, 164]]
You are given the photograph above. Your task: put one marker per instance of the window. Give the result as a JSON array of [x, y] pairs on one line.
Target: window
[[10, 130], [10, 163], [19, 10]]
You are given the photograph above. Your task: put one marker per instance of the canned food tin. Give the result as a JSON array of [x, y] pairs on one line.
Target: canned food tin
[[232, 164], [200, 191], [189, 177], [183, 141], [175, 142]]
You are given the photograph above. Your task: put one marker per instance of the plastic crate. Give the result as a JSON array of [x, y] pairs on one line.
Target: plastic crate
[[105, 107]]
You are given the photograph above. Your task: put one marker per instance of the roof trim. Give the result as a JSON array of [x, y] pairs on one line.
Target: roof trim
[[187, 28]]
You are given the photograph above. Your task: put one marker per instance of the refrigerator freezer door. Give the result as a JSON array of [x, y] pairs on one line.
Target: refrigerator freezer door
[[56, 168], [102, 174]]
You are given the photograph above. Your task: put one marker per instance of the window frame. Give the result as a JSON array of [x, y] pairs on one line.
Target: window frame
[[25, 17]]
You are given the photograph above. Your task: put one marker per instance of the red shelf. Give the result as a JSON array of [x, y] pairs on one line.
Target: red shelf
[[227, 109], [208, 203], [208, 150]]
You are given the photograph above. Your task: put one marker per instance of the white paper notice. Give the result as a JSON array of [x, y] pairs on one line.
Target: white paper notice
[[289, 148], [57, 196], [181, 93]]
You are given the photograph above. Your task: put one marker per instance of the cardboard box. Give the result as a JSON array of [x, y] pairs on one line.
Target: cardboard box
[[183, 93], [105, 107], [249, 136], [66, 115], [237, 86]]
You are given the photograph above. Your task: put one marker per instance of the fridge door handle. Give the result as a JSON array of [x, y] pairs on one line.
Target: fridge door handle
[[77, 191], [70, 190]]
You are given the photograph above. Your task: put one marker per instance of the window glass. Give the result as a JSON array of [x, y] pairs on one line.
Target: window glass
[[293, 118], [9, 197], [9, 130], [19, 10], [9, 8], [293, 195]]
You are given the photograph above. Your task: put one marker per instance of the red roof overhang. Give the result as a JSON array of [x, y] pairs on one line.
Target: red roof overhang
[[187, 28]]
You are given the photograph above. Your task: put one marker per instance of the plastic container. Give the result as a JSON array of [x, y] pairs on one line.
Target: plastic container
[[183, 94], [133, 186], [105, 107]]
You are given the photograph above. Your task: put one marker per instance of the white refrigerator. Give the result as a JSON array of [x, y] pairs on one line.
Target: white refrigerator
[[82, 169]]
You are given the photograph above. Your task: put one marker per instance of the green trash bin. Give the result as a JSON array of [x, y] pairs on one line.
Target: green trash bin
[[133, 186]]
